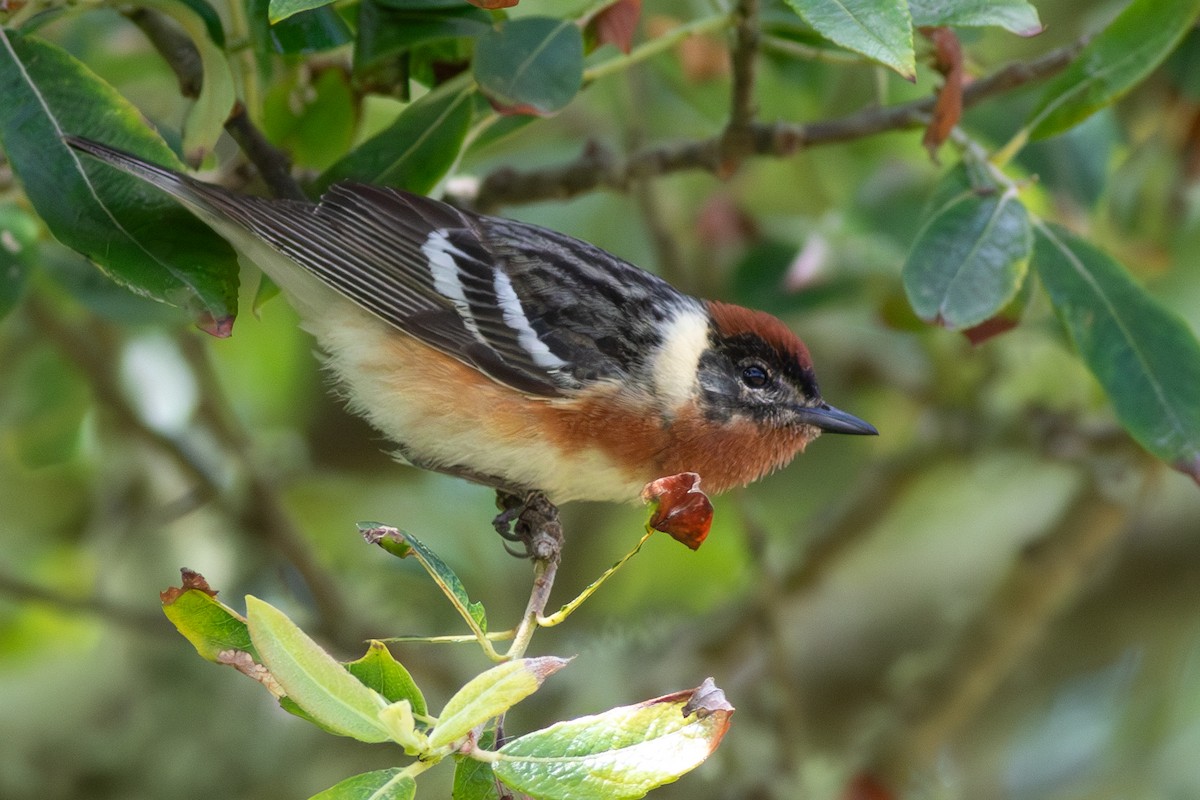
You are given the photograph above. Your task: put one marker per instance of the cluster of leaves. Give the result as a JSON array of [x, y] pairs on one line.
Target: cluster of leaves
[[620, 753], [969, 269]]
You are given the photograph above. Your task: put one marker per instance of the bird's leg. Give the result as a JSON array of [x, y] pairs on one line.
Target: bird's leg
[[530, 521]]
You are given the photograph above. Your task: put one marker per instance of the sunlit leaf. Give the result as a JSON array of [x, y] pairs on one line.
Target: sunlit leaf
[[490, 694], [881, 30], [211, 626], [380, 671], [1017, 16], [531, 65], [383, 784], [1145, 357], [969, 259], [1136, 42], [414, 152], [620, 754], [141, 238], [312, 678]]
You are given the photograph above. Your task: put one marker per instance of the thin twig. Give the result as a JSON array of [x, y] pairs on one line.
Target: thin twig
[[737, 141], [545, 537], [509, 186], [180, 54]]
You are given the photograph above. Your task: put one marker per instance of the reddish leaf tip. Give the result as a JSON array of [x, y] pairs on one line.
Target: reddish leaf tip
[[220, 327], [681, 510], [1190, 468]]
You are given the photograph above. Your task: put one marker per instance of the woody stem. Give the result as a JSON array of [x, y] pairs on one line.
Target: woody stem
[[545, 538]]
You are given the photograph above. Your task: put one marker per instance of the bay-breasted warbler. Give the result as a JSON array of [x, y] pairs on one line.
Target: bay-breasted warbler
[[515, 356]]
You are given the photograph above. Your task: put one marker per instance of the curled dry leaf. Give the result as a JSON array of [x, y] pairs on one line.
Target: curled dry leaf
[[191, 580], [948, 60], [680, 509]]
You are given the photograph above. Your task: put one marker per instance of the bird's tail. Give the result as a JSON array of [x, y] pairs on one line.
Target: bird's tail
[[202, 199]]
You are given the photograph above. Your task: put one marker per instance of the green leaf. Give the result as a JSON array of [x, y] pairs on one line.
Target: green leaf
[[312, 678], [206, 118], [206, 622], [402, 545], [282, 9], [414, 152], [313, 120], [380, 671], [385, 31], [619, 754], [1145, 357], [1016, 16], [313, 31], [18, 237], [1136, 42], [474, 779], [969, 260], [140, 237], [383, 784], [531, 65], [881, 30], [491, 694]]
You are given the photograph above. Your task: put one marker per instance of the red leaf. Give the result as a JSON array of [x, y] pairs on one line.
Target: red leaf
[[492, 5], [191, 580], [947, 111], [616, 24], [681, 510]]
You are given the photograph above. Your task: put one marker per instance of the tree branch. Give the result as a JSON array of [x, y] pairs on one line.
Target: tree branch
[[598, 167], [737, 142], [180, 54]]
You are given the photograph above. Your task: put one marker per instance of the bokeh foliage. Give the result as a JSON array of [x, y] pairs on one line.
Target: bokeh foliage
[[993, 599]]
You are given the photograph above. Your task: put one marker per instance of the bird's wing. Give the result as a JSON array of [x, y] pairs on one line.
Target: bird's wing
[[536, 310]]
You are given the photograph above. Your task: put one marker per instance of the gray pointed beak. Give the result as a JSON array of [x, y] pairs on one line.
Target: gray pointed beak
[[831, 420]]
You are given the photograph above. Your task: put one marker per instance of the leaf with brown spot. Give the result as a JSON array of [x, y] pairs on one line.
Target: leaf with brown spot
[[948, 60], [679, 509]]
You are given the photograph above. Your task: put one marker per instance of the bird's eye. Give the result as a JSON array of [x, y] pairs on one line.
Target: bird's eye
[[755, 376]]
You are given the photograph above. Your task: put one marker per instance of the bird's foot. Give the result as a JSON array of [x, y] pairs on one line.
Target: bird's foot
[[531, 522]]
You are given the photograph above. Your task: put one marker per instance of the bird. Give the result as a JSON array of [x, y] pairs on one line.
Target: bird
[[515, 356]]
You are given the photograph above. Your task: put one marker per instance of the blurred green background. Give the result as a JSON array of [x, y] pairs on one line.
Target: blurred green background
[[1000, 591]]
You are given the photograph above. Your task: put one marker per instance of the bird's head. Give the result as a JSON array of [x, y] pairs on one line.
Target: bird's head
[[756, 369]]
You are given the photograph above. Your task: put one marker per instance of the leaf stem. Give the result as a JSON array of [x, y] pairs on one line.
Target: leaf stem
[[567, 609]]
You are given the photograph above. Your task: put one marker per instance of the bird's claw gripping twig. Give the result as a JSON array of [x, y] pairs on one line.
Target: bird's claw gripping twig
[[530, 521]]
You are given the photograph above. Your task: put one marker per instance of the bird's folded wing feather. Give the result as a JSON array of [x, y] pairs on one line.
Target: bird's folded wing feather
[[539, 311]]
